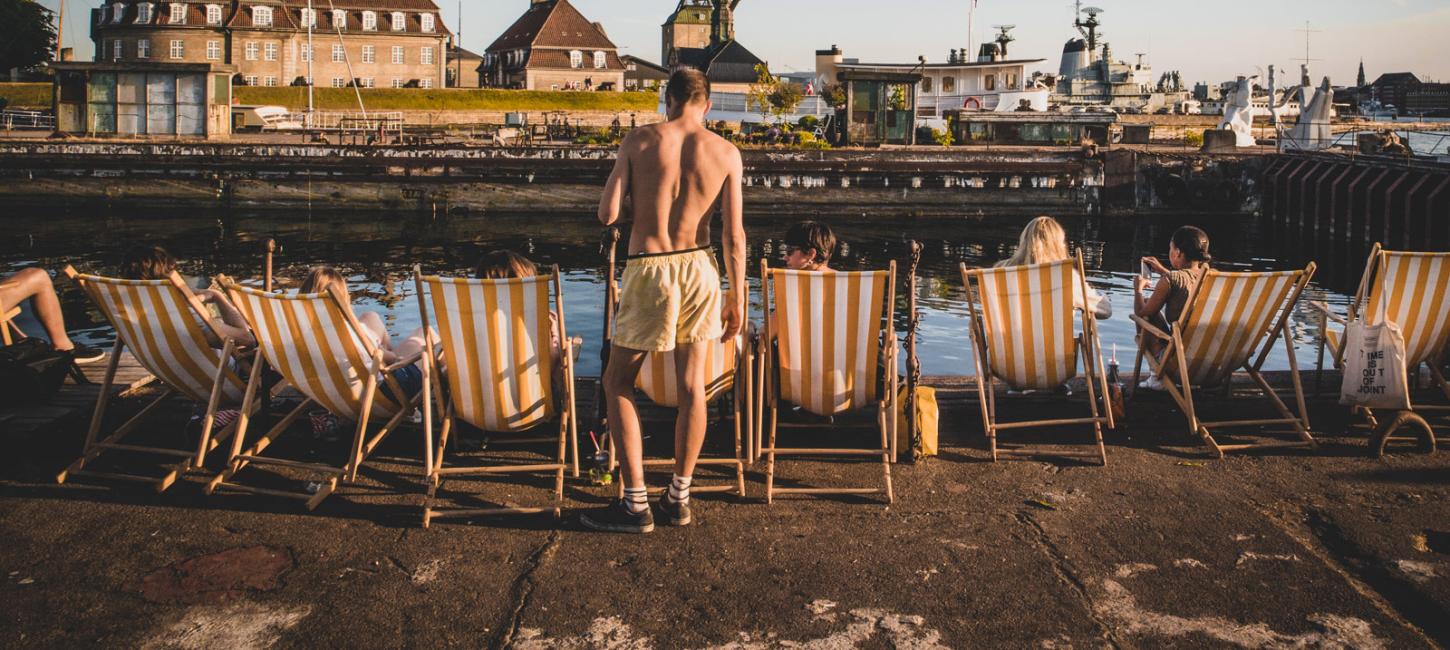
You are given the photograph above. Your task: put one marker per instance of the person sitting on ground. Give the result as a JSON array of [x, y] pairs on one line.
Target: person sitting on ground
[[144, 262], [1189, 257], [1044, 241], [35, 285], [809, 246]]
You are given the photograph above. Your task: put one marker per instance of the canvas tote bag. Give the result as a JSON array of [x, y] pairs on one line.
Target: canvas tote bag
[[1375, 375]]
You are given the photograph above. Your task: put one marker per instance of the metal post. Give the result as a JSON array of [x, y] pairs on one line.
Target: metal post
[[913, 363]]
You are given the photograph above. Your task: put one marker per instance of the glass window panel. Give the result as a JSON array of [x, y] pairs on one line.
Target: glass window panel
[[131, 88], [103, 118], [102, 87], [130, 119], [191, 119], [161, 119], [161, 89], [190, 89]]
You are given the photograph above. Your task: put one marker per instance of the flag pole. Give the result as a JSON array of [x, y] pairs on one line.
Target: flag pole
[[971, 31]]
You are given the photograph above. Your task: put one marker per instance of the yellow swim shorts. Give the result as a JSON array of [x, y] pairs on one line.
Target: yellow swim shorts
[[668, 299]]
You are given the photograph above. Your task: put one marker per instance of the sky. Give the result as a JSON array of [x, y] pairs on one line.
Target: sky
[[1209, 40]]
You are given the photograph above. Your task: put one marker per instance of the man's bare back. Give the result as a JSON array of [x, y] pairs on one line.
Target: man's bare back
[[674, 175]]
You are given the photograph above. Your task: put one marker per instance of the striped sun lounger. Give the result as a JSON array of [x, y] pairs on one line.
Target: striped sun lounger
[[497, 361], [316, 343], [1412, 290], [1024, 329], [823, 351], [169, 332], [1232, 324]]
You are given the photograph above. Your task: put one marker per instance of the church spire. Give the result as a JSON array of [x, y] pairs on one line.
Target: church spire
[[1361, 73]]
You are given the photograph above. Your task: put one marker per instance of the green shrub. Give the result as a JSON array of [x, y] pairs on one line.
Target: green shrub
[[1193, 138], [809, 122], [26, 95]]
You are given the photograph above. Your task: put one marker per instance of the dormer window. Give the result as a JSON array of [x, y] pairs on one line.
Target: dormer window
[[400, 23], [143, 13], [429, 21], [213, 14], [370, 21], [339, 19], [309, 17], [576, 59], [261, 16], [117, 11], [178, 13], [600, 61]]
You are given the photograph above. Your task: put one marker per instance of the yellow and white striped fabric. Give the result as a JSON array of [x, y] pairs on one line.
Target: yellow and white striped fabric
[[156, 321], [1229, 318], [657, 378], [1028, 319], [313, 344], [1417, 287], [828, 328], [497, 348]]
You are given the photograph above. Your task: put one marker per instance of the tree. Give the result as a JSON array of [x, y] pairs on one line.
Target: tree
[[27, 34], [771, 96]]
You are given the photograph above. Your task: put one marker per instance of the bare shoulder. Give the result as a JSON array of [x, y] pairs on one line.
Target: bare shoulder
[[720, 148]]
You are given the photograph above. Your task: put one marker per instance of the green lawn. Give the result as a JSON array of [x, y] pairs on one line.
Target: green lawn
[[26, 95], [453, 99]]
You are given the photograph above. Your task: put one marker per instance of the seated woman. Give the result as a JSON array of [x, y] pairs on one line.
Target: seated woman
[[1044, 241], [410, 378], [508, 265], [155, 263], [809, 246], [1189, 257], [35, 285]]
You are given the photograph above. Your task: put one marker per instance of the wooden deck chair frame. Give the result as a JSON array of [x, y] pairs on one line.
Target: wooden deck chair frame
[[436, 397], [739, 389], [362, 445], [1176, 376], [1370, 285], [1088, 350], [9, 332], [886, 401], [189, 460]]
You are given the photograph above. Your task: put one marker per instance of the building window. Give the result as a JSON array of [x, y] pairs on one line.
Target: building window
[[251, 50], [143, 48], [370, 21], [398, 55], [1009, 81], [250, 80], [397, 83], [261, 16], [116, 47], [178, 49], [307, 54], [600, 61], [367, 82], [117, 11], [143, 13], [270, 51], [989, 82], [925, 85], [213, 50], [178, 13], [338, 54], [309, 17], [213, 14], [427, 56], [270, 82], [948, 85], [429, 22], [425, 84], [400, 23], [339, 19], [339, 82], [576, 59], [369, 54]]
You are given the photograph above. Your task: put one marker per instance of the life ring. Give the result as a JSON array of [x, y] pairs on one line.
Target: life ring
[[973, 103]]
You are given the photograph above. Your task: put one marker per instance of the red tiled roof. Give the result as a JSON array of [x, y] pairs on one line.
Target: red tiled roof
[[555, 23]]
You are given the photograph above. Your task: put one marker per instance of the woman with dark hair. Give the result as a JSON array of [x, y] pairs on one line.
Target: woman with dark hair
[[809, 246], [143, 262], [1188, 254]]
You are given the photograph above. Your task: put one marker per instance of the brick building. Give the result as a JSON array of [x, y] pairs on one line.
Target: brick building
[[374, 43], [553, 47]]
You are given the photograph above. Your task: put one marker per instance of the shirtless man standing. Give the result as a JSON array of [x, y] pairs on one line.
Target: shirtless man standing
[[670, 177]]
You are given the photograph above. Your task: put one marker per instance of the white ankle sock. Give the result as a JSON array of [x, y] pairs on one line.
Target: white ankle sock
[[680, 489], [636, 499]]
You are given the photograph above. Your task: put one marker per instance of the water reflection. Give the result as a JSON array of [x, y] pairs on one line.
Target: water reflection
[[378, 256]]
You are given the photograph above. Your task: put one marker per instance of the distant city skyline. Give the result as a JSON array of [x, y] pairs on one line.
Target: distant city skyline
[[1389, 35]]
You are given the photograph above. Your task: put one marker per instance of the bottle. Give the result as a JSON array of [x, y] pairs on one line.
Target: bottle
[[1115, 388]]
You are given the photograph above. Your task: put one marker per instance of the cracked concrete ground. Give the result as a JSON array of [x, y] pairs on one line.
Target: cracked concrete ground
[[1163, 548]]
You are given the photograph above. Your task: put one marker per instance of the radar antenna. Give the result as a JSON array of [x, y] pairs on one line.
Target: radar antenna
[[1090, 25]]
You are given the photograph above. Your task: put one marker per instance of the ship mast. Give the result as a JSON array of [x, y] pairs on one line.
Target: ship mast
[[311, 54], [60, 33]]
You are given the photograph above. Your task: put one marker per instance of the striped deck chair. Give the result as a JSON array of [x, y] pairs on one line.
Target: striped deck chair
[[1232, 324], [1023, 323], [169, 332], [823, 351], [316, 343], [1415, 286], [498, 366], [9, 332]]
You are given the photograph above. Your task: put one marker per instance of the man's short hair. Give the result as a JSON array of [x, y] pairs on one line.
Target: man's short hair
[[687, 86], [813, 235]]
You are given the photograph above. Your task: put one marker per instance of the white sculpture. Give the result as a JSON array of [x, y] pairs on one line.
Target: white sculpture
[[1238, 112], [1313, 130]]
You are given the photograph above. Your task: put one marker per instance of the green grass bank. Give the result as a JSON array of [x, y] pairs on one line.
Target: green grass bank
[[25, 95], [452, 99]]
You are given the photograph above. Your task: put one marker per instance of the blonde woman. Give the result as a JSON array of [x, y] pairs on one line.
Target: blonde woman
[[1044, 241]]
